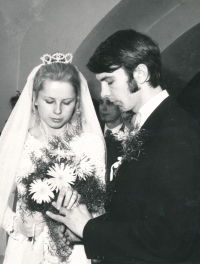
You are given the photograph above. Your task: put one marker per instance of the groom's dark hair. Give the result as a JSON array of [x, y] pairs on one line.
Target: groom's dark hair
[[127, 49]]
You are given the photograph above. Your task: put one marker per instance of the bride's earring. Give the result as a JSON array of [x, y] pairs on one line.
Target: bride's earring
[[35, 109], [78, 112], [34, 104], [77, 109]]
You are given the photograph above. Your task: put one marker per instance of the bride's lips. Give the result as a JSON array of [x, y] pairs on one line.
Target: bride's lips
[[56, 120]]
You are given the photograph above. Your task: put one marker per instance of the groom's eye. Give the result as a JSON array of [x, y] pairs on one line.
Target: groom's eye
[[109, 80]]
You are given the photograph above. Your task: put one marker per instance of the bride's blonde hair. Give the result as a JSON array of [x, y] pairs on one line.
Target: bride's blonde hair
[[62, 73]]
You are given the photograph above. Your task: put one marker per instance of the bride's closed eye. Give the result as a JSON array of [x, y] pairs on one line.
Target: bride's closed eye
[[49, 101], [67, 103]]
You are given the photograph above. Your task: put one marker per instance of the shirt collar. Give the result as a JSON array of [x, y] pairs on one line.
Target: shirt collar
[[147, 109], [114, 130]]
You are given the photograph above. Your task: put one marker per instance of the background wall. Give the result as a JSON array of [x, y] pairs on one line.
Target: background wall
[[31, 28], [169, 22]]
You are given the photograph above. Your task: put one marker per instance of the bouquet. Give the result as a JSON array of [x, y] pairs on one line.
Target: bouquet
[[60, 167]]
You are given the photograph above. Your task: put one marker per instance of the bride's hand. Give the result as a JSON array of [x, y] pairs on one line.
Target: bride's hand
[[31, 225], [67, 198]]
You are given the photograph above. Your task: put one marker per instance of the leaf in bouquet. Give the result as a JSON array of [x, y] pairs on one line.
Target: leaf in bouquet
[[63, 251], [93, 194]]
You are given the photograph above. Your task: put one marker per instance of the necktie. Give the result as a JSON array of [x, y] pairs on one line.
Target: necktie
[[108, 135]]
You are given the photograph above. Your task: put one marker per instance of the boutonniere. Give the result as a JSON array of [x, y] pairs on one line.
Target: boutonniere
[[132, 141]]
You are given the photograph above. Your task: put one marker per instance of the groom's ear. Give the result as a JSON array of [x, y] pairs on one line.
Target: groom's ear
[[141, 74]]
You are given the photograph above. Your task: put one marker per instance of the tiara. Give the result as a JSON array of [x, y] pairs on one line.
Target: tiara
[[56, 57]]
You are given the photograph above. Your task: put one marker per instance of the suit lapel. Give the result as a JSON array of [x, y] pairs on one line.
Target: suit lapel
[[156, 117]]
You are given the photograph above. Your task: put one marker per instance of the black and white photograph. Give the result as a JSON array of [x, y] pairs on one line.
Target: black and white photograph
[[99, 131]]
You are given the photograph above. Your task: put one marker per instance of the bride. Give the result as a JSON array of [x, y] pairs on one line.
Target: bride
[[54, 98]]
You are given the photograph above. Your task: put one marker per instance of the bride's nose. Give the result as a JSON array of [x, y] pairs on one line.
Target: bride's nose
[[57, 109]]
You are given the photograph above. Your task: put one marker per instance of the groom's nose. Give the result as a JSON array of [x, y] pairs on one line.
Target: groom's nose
[[105, 90]]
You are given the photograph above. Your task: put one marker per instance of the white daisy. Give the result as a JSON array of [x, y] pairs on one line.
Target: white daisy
[[41, 191], [62, 175], [84, 168]]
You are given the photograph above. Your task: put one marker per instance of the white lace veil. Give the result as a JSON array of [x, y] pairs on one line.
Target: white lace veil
[[15, 132]]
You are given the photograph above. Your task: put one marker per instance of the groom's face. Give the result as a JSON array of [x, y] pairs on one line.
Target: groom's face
[[115, 86]]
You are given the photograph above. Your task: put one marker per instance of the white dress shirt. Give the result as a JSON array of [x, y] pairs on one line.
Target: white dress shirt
[[147, 109], [113, 130]]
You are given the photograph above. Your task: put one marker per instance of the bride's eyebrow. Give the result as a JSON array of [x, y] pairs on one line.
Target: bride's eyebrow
[[48, 97]]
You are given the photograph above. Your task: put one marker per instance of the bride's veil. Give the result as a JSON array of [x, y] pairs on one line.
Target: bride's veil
[[14, 135]]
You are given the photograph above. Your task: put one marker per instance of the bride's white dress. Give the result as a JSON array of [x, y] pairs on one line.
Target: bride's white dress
[[21, 251]]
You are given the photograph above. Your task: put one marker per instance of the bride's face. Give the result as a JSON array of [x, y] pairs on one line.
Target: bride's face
[[55, 103]]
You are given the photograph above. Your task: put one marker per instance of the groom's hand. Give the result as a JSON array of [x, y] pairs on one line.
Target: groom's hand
[[68, 236], [75, 219]]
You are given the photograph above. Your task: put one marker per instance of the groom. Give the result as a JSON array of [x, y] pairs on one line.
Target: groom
[[153, 216]]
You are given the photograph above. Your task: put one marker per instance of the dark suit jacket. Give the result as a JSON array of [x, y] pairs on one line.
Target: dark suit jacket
[[114, 150], [153, 216]]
